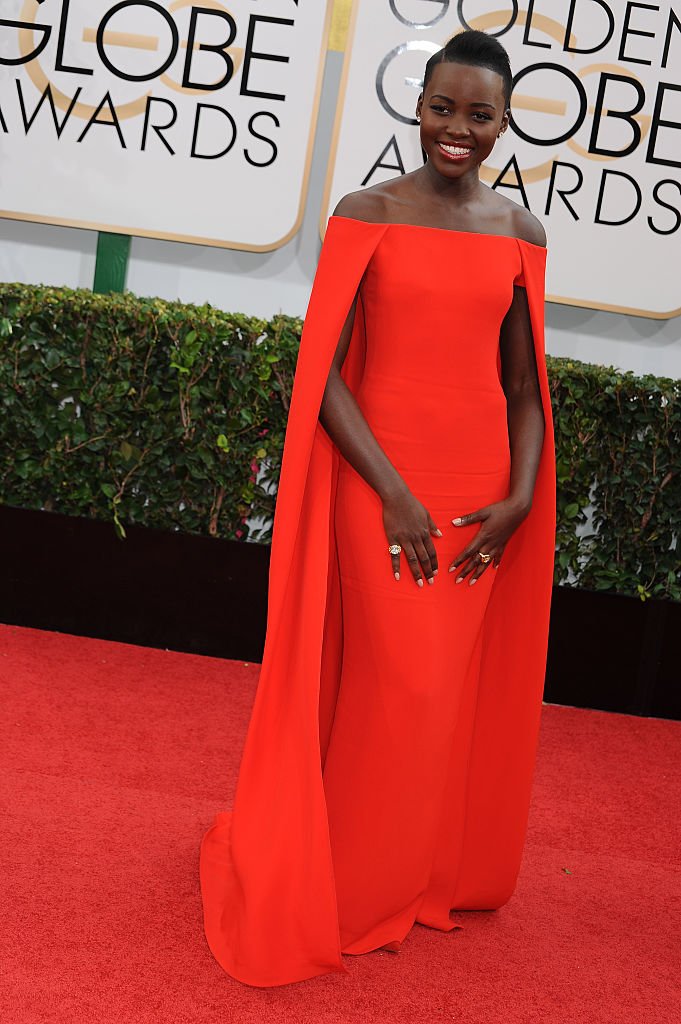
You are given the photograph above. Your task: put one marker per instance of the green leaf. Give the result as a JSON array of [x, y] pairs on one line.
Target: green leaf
[[98, 419]]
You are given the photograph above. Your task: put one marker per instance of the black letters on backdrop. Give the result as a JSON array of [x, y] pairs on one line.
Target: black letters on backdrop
[[640, 33], [160, 114]]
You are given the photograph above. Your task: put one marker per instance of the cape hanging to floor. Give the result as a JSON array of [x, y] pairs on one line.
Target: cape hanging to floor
[[267, 882]]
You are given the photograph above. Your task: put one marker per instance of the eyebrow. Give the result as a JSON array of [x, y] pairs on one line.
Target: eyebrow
[[439, 96]]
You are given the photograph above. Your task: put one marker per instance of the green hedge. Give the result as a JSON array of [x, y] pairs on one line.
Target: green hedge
[[173, 416]]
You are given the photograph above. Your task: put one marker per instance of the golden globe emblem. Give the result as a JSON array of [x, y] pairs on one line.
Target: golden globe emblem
[[124, 111]]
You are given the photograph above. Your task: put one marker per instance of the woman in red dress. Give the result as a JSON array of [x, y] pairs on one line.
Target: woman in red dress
[[387, 768]]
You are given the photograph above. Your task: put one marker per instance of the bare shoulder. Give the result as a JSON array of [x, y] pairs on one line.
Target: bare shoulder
[[528, 227], [370, 204], [362, 205], [510, 218]]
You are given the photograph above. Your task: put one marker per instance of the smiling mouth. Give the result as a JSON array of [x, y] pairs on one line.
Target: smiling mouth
[[454, 152]]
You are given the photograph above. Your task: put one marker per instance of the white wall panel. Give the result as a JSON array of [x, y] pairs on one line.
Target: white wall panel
[[42, 254], [264, 283]]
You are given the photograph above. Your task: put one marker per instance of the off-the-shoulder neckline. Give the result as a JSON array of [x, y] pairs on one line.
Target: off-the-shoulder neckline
[[428, 227]]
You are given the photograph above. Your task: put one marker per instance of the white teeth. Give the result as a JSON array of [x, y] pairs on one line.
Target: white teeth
[[455, 150]]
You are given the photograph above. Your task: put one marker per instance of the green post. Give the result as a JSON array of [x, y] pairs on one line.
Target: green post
[[111, 267]]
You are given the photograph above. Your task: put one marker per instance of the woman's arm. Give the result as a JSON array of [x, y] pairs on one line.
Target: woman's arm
[[405, 519], [344, 422], [523, 400], [525, 416]]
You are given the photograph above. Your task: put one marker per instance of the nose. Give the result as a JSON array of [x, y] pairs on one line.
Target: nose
[[457, 130]]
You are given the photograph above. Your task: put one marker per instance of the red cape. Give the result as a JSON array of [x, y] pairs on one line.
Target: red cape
[[267, 879]]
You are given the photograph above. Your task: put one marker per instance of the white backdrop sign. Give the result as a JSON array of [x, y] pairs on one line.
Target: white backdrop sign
[[167, 118], [594, 148]]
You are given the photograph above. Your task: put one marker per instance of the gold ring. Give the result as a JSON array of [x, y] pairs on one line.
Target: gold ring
[[484, 558], [395, 549]]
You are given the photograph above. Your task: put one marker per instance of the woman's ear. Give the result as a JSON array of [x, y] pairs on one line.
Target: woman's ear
[[504, 122], [419, 105]]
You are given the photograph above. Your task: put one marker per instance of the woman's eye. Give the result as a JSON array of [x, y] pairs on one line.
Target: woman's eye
[[440, 110], [480, 116]]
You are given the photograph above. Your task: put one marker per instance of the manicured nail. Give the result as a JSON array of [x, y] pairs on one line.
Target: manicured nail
[[457, 521], [438, 533], [431, 580], [420, 582], [397, 575], [472, 582], [460, 579], [451, 568], [435, 572]]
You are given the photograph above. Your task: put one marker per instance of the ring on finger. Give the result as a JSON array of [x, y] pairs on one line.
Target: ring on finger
[[483, 557], [394, 549]]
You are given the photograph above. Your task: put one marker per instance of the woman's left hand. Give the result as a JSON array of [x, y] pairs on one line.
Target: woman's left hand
[[499, 521]]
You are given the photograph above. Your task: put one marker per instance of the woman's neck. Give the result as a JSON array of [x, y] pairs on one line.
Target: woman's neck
[[461, 189]]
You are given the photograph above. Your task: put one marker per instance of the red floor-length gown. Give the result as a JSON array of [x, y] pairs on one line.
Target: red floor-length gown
[[386, 774]]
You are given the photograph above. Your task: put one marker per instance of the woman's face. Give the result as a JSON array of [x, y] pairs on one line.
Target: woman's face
[[462, 112]]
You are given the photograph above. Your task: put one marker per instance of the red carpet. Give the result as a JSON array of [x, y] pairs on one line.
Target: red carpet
[[117, 757]]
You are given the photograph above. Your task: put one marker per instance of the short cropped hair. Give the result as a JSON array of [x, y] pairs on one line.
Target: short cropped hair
[[477, 49]]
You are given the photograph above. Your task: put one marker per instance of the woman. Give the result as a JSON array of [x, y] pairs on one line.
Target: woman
[[386, 773]]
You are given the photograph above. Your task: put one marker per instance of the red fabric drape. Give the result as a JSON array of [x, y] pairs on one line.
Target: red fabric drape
[[270, 911]]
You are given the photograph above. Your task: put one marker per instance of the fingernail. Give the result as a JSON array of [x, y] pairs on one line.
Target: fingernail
[[460, 579], [457, 521], [431, 580], [397, 575], [451, 568], [435, 572], [438, 533], [420, 582], [472, 582]]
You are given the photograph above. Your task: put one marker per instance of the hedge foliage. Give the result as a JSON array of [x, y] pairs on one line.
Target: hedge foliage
[[173, 416], [143, 411]]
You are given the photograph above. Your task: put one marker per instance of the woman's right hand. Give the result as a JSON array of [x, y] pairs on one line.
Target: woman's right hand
[[408, 522]]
